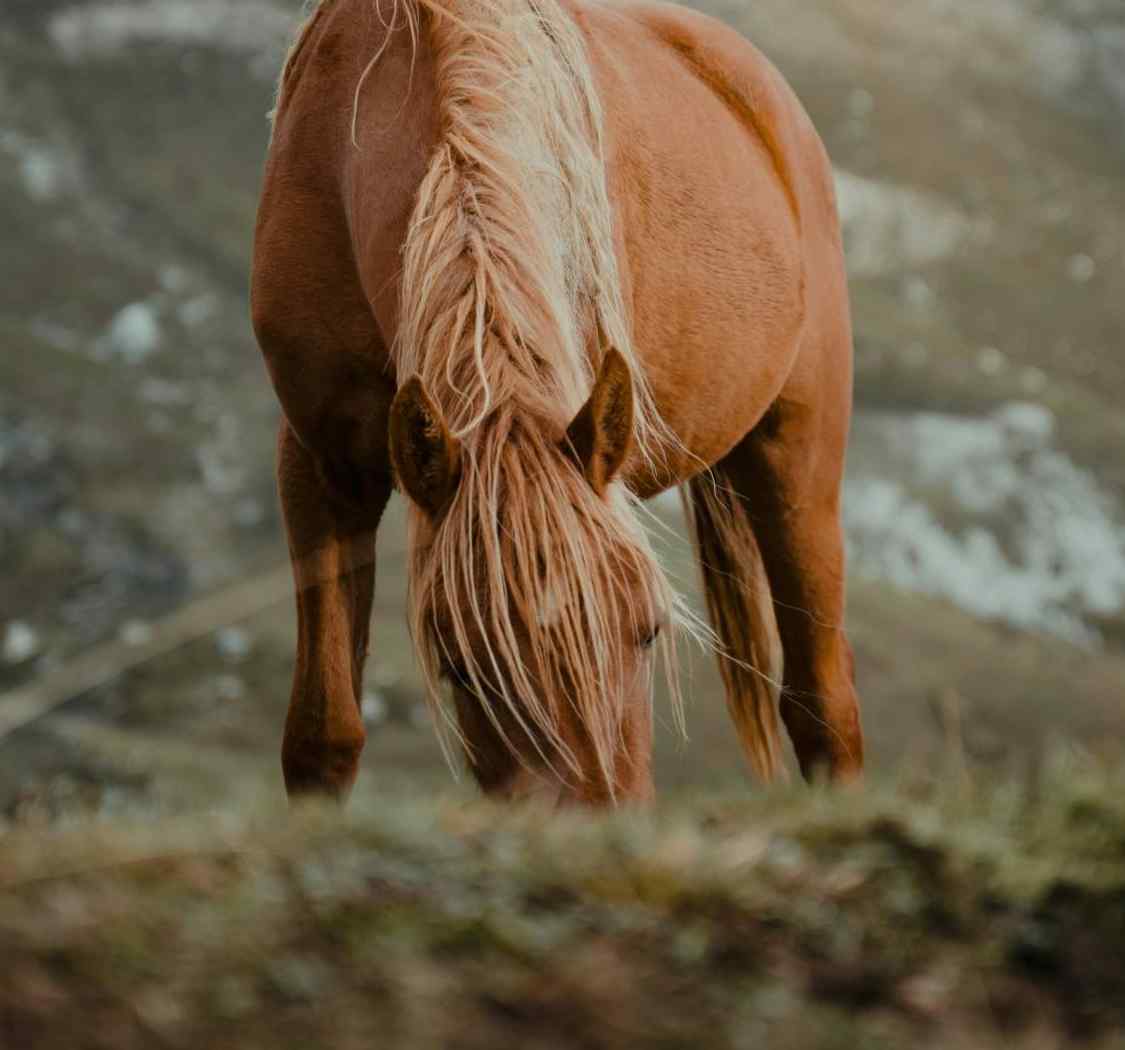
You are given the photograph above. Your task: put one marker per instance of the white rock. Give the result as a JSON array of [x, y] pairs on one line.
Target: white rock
[[21, 642], [1081, 269], [233, 643], [1025, 535], [373, 707], [888, 227], [1027, 419], [41, 175], [43, 169], [135, 633], [991, 361], [134, 333]]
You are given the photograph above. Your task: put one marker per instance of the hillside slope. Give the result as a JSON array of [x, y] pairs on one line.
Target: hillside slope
[[981, 164], [982, 919]]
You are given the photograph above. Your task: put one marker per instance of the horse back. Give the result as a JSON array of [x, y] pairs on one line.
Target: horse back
[[727, 215]]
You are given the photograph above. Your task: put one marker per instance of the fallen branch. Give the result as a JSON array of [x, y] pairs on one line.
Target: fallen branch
[[197, 619]]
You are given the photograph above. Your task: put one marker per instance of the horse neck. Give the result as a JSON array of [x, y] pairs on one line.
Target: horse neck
[[509, 265]]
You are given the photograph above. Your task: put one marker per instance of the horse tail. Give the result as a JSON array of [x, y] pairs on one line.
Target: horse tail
[[740, 603]]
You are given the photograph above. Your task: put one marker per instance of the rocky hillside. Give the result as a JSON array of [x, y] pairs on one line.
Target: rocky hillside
[[981, 157]]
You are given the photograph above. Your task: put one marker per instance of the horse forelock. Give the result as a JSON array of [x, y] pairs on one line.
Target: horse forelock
[[532, 587]]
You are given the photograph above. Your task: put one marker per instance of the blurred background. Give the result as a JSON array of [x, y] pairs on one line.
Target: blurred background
[[146, 630]]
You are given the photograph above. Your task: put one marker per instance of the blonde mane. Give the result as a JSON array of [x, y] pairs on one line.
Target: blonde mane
[[511, 252], [509, 276]]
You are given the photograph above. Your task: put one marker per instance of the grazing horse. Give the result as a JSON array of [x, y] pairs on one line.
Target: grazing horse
[[533, 262]]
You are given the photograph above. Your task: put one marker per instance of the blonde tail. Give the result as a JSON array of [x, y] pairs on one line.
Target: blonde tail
[[742, 614]]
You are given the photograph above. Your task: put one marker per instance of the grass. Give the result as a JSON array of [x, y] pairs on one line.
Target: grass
[[962, 916]]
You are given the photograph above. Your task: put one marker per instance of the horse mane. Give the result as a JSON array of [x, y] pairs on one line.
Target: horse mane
[[517, 189], [509, 278]]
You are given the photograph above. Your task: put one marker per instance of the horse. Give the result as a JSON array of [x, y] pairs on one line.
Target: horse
[[532, 263]]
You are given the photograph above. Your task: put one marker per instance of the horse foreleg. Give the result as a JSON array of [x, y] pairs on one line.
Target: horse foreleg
[[332, 547]]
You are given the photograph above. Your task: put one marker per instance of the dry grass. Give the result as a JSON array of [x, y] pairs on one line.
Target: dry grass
[[801, 919]]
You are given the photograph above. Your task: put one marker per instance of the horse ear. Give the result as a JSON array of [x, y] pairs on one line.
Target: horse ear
[[602, 433], [427, 460]]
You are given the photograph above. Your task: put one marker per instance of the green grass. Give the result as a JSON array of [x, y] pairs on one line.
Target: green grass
[[965, 916]]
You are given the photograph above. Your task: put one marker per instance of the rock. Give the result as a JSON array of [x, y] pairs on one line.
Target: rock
[[134, 333], [136, 633], [234, 644], [373, 707], [21, 643], [1081, 269]]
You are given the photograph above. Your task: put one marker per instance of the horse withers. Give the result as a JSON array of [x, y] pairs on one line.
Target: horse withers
[[533, 262]]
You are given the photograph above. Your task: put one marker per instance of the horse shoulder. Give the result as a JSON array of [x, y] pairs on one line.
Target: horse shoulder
[[328, 365]]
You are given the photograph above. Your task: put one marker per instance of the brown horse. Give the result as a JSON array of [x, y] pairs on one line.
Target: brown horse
[[536, 261]]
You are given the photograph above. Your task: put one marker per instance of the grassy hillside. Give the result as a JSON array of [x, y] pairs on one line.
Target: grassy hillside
[[968, 918], [981, 167]]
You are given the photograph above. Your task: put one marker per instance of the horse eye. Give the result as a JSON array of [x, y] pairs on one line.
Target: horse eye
[[650, 639]]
